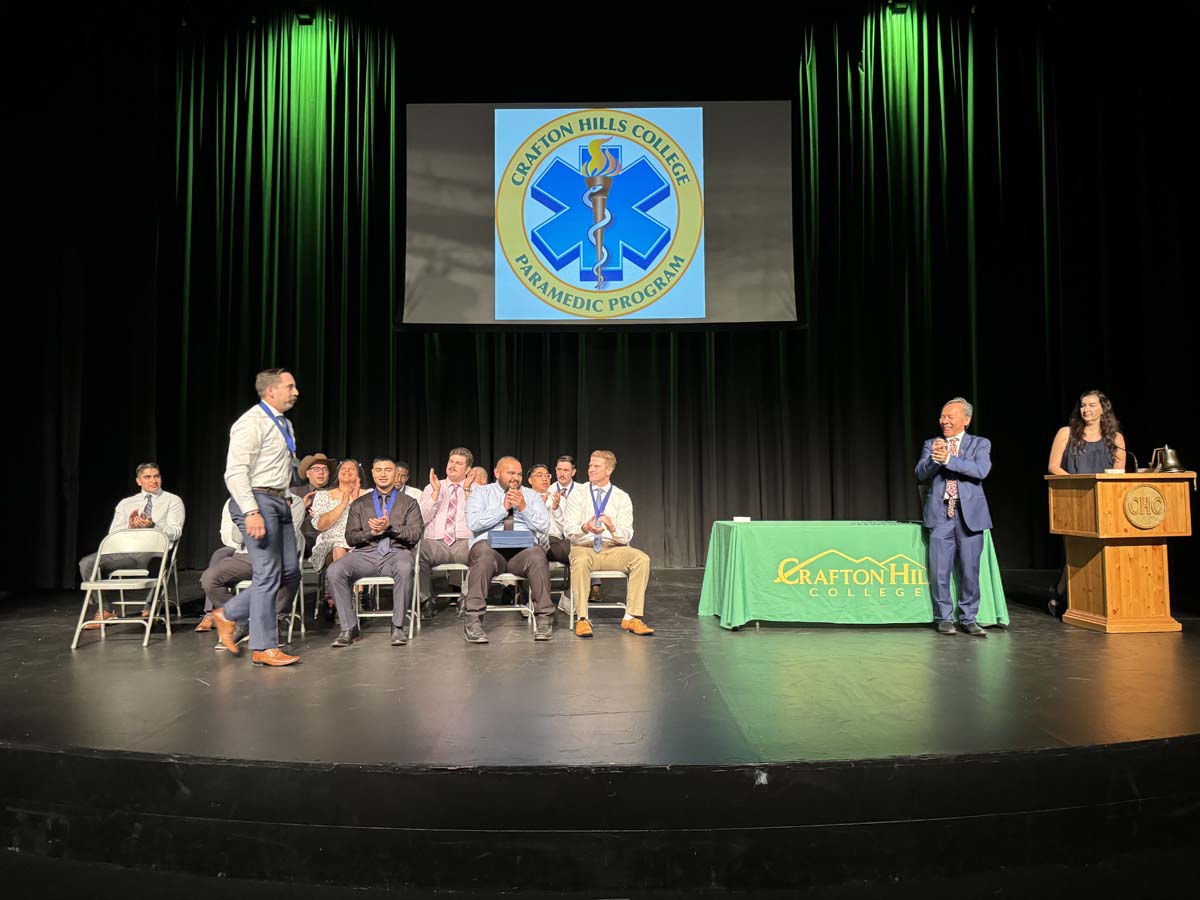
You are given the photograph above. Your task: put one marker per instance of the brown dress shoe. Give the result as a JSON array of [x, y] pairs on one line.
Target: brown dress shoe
[[636, 626], [206, 624], [595, 596], [272, 657], [225, 630], [95, 623], [583, 628]]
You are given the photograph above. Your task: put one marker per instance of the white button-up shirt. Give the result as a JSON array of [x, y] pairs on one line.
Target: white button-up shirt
[[167, 512], [258, 457], [580, 510]]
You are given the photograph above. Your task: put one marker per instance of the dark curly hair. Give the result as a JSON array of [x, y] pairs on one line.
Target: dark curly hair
[[1109, 426]]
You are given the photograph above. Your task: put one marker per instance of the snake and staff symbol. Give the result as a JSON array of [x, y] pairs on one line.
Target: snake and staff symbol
[[598, 173]]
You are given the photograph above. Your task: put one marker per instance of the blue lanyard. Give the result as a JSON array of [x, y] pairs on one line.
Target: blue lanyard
[[567, 492], [599, 507], [386, 510], [287, 435]]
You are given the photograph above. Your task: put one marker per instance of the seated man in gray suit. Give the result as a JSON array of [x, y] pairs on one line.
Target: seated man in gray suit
[[382, 528], [151, 507], [956, 514]]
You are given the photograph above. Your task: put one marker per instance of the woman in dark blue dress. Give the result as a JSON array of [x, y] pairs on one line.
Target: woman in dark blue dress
[[1091, 442]]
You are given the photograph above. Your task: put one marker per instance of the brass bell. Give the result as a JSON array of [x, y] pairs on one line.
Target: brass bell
[[1164, 459]]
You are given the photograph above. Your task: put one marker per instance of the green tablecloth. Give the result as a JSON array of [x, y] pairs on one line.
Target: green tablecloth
[[859, 573]]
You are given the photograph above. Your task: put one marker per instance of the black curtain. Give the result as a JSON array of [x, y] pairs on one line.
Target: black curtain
[[991, 203]]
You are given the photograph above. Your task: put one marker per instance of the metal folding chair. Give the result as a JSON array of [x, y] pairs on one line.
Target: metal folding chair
[[172, 573], [520, 584], [133, 540], [448, 569], [607, 604]]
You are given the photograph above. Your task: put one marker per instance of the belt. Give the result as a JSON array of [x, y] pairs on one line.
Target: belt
[[281, 493]]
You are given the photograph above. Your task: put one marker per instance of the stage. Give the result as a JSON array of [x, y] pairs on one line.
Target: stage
[[763, 759]]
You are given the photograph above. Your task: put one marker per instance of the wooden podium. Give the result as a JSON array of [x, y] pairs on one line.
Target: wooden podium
[[1116, 528]]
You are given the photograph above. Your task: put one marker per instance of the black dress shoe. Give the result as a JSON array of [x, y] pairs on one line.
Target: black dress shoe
[[545, 628], [241, 634], [944, 627], [473, 633], [973, 629], [1056, 603], [346, 638], [399, 638]]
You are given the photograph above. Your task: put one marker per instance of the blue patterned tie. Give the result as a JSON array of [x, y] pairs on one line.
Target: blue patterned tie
[[146, 510], [598, 543]]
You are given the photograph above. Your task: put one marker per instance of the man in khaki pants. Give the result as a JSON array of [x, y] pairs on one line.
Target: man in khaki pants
[[598, 522]]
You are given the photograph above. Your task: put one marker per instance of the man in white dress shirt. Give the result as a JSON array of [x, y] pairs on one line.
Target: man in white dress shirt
[[598, 521], [258, 472], [504, 505], [152, 507], [444, 511]]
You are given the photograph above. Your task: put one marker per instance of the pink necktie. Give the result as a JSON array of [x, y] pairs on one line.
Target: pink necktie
[[952, 483], [450, 530]]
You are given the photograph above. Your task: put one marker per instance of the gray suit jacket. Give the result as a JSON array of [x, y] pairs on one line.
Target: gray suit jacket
[[405, 525]]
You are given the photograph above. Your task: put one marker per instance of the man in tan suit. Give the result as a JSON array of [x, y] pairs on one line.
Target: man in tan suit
[[598, 522]]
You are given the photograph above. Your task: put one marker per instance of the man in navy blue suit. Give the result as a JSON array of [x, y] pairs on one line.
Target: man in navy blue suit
[[956, 514]]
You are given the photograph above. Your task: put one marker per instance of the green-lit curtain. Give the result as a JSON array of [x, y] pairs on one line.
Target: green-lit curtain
[[925, 241], [286, 241]]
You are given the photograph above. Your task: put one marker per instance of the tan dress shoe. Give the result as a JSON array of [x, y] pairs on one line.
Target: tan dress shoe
[[206, 624], [583, 628], [225, 630], [102, 614], [272, 657], [595, 595], [636, 626]]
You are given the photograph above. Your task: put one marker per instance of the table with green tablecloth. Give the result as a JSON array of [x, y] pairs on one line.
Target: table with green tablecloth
[[852, 573]]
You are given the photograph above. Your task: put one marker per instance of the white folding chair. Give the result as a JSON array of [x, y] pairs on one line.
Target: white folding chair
[[372, 584], [448, 569], [520, 584], [172, 573], [607, 604], [133, 540]]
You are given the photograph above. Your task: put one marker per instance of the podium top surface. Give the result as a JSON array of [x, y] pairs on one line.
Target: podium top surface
[[1124, 476]]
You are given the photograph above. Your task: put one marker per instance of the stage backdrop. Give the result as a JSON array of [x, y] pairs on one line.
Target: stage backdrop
[[997, 207]]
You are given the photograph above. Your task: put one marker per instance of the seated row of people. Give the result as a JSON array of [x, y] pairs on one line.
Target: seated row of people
[[455, 521], [364, 532]]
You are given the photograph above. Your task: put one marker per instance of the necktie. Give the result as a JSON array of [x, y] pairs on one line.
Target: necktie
[[450, 529], [952, 483], [146, 510], [598, 543], [509, 519]]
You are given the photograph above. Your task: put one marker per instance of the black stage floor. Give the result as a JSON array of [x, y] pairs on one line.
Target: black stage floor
[[772, 758]]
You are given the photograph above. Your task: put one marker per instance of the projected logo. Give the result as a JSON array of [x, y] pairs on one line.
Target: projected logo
[[599, 214]]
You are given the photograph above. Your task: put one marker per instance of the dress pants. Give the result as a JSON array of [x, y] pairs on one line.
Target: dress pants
[[276, 567], [949, 540], [436, 553], [634, 563], [225, 571], [113, 561], [368, 562], [560, 552], [486, 564]]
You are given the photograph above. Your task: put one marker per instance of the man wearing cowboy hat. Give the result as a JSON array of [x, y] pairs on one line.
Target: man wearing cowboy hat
[[314, 472]]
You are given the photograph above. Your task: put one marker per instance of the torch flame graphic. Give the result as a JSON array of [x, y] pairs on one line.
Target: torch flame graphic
[[598, 173]]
